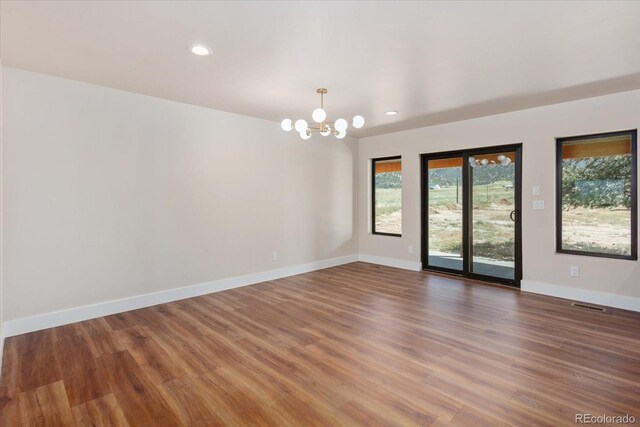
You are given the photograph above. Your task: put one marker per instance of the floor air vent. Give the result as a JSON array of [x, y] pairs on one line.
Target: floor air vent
[[587, 306]]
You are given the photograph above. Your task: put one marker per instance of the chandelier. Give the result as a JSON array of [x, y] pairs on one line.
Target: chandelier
[[321, 125]]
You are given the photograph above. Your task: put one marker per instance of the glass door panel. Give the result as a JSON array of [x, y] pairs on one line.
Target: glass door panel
[[492, 245], [445, 216], [471, 205]]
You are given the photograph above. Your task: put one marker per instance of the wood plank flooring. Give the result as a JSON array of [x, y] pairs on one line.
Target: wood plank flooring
[[352, 345]]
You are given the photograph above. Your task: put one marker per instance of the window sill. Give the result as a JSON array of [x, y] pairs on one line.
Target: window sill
[[373, 233]]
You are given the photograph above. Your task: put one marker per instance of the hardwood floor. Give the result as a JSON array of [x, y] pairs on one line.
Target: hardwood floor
[[351, 345]]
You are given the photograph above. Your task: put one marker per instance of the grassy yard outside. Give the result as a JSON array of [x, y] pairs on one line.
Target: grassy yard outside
[[389, 210], [605, 230], [493, 230]]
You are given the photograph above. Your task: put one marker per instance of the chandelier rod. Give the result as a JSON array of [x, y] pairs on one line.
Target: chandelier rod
[[321, 91]]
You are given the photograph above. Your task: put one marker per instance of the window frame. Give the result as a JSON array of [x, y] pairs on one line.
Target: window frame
[[633, 133], [373, 195]]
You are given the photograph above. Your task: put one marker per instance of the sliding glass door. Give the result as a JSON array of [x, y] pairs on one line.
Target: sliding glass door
[[445, 216], [493, 214], [471, 213]]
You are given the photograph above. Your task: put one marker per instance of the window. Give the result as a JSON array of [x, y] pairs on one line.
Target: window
[[387, 196], [596, 195]]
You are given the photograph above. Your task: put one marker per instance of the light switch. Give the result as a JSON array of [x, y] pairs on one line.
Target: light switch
[[536, 190], [538, 204]]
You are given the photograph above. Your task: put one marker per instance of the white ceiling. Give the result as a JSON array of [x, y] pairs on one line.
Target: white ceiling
[[434, 62]]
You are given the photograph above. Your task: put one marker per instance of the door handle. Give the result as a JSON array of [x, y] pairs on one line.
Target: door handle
[[514, 216]]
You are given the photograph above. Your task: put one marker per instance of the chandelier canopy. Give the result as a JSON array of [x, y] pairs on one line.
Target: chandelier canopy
[[321, 125]]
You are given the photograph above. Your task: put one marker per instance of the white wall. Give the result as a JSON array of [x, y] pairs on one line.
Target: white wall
[[1, 226], [110, 194], [536, 129]]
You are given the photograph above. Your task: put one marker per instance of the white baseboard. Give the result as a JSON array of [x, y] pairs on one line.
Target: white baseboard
[[78, 314], [391, 262], [583, 295], [1, 345]]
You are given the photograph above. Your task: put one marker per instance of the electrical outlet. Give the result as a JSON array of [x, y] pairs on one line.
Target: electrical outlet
[[536, 190], [410, 249], [538, 204], [574, 271], [274, 256]]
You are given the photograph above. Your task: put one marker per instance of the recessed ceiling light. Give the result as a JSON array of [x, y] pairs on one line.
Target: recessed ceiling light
[[200, 49], [391, 113]]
